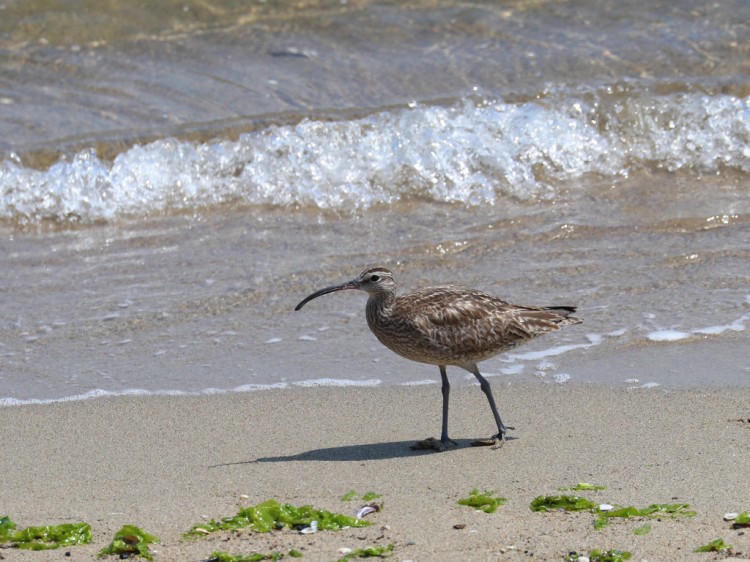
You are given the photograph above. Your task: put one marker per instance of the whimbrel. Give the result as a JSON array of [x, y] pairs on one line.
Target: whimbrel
[[449, 326]]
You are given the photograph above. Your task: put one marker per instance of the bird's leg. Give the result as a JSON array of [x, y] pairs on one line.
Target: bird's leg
[[446, 390], [445, 441], [501, 428]]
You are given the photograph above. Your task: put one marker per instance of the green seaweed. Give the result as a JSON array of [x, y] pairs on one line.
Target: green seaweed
[[369, 552], [220, 556], [672, 510], [643, 529], [582, 487], [45, 537], [483, 501], [742, 520], [271, 515], [352, 495], [715, 545], [578, 503], [613, 555], [564, 502], [597, 555], [6, 528], [53, 536], [130, 541]]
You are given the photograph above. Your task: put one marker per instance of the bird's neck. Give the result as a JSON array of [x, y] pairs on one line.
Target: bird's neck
[[378, 307]]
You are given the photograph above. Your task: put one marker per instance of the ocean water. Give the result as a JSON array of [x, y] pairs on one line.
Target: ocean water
[[173, 183]]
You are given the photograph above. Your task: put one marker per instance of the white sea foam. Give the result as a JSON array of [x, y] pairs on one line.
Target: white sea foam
[[256, 387], [736, 326], [594, 339], [645, 385], [471, 152], [423, 382], [670, 334], [650, 385], [336, 382], [99, 393]]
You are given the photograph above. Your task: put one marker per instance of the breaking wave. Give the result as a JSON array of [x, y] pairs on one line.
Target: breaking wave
[[474, 152]]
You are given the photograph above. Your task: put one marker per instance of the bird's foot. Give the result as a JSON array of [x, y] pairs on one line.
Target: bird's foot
[[496, 441], [433, 444]]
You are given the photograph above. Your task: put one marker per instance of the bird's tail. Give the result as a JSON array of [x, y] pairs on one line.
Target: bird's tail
[[565, 314]]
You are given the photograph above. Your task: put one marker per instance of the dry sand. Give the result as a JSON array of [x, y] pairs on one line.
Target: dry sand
[[165, 463]]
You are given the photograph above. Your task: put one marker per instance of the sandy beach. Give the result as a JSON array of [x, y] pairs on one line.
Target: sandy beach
[[167, 463], [177, 176]]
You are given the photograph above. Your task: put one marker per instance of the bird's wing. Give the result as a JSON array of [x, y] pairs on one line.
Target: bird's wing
[[471, 321]]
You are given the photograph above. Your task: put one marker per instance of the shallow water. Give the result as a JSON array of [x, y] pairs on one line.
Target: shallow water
[[159, 226], [191, 303]]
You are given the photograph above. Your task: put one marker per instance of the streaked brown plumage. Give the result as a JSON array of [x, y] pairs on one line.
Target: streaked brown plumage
[[449, 326]]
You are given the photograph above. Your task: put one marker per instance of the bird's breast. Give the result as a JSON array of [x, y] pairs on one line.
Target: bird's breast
[[418, 339]]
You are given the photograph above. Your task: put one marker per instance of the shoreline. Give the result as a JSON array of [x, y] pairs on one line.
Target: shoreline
[[74, 367], [696, 363], [166, 463]]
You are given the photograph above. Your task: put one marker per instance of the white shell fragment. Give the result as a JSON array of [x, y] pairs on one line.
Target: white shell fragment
[[306, 337], [730, 516], [313, 528], [366, 510], [344, 551], [605, 507]]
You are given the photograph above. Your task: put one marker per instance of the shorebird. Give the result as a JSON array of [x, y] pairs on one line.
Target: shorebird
[[449, 326]]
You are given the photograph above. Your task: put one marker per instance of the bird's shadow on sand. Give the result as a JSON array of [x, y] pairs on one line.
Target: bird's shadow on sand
[[358, 452]]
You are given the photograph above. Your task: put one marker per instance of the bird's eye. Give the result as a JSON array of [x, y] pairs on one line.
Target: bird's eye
[[374, 278]]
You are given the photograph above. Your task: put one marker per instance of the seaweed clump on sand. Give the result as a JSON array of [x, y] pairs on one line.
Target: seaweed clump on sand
[[741, 521], [671, 510], [562, 502], [369, 552], [271, 515], [130, 541], [44, 537], [716, 545], [220, 556], [483, 501], [596, 555]]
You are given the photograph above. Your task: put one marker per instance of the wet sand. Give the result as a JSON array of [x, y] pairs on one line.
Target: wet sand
[[165, 463]]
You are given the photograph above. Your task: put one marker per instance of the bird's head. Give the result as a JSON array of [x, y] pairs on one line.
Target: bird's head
[[374, 281]]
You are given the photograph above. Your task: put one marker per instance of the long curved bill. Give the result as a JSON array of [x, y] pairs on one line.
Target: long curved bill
[[316, 294]]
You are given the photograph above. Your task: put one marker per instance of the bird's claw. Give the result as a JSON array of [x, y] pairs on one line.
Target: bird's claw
[[493, 442], [496, 441], [433, 444]]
